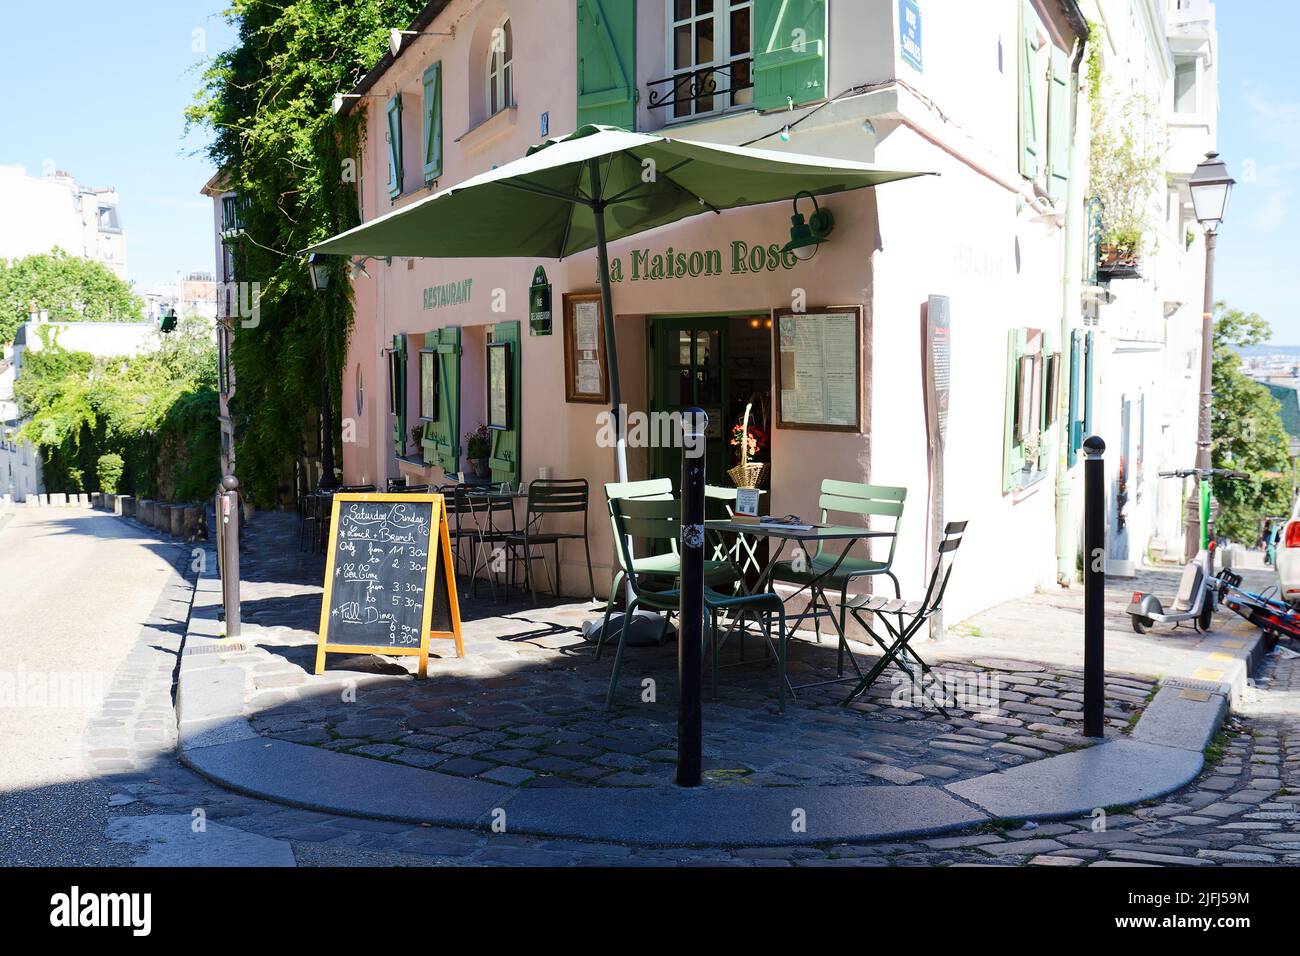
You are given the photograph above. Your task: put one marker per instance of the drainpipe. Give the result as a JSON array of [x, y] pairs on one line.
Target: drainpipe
[[1066, 547]]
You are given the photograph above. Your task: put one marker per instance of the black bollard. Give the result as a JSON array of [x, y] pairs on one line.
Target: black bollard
[[690, 635], [1094, 588], [228, 551]]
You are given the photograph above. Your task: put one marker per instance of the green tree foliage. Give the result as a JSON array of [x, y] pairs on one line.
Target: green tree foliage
[[70, 288], [294, 164], [1248, 433], [156, 411], [109, 470]]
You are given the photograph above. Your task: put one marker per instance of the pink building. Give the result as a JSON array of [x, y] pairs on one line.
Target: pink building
[[708, 311]]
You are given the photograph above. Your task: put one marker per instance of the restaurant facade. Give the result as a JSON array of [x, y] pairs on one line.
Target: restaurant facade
[[934, 341]]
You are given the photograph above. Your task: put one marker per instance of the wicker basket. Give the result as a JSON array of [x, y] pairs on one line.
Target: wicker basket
[[748, 474]]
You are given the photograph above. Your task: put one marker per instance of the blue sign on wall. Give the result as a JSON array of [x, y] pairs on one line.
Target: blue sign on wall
[[909, 32]]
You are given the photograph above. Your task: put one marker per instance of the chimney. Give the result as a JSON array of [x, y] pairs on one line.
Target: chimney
[[33, 313]]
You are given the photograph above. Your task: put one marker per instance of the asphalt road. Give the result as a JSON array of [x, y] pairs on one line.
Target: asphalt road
[[75, 587]]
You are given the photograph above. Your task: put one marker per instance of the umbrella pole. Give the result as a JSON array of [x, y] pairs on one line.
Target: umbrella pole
[[611, 347], [607, 309]]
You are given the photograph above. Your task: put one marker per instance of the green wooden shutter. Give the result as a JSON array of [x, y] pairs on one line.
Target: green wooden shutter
[[433, 122], [1074, 423], [395, 146], [397, 382], [504, 458], [1058, 126], [1088, 373], [1028, 115], [441, 440], [1013, 458], [607, 62], [789, 52]]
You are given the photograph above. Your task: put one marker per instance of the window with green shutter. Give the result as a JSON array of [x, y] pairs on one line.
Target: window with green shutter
[[397, 393], [395, 146], [505, 456], [1031, 396], [789, 52], [607, 62], [1058, 126], [433, 122], [1028, 121], [1074, 424], [441, 436]]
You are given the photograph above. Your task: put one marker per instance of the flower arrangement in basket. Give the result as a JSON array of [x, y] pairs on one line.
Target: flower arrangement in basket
[[748, 474]]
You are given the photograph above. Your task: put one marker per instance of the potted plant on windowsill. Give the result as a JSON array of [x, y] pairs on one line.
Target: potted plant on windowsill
[[478, 446], [1127, 145], [413, 449]]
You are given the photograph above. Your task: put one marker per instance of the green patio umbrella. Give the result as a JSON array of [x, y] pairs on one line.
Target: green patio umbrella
[[598, 184]]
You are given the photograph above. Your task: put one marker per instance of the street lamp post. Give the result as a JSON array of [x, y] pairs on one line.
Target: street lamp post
[[320, 280], [1210, 186]]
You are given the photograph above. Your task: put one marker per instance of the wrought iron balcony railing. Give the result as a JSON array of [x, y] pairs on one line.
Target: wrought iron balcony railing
[[698, 91]]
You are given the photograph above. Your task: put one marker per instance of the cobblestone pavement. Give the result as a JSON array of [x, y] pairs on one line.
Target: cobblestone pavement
[[525, 706], [1242, 809]]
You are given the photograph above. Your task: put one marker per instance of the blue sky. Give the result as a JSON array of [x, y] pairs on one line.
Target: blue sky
[[1259, 137], [99, 88]]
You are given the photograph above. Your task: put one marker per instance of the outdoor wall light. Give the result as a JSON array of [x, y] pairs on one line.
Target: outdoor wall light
[[318, 266], [805, 237], [1210, 186]]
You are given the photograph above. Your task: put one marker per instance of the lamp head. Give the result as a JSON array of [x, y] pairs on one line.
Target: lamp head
[[806, 236], [318, 266], [1210, 186]]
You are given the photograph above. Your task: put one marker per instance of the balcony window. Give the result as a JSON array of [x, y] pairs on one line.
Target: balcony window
[[1185, 100], [106, 219], [710, 51]]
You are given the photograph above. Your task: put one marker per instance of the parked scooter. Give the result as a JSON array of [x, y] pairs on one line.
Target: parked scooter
[[1195, 601], [1197, 595]]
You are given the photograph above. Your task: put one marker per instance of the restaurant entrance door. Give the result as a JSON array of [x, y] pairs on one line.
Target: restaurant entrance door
[[687, 370], [717, 363]]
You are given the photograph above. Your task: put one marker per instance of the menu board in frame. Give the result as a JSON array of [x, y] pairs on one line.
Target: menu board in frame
[[818, 368], [586, 366]]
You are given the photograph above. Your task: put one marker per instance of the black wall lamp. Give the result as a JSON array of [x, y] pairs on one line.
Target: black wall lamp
[[807, 236]]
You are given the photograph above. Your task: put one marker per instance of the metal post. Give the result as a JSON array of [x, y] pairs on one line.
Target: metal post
[[228, 551], [690, 654], [1094, 587], [1203, 434]]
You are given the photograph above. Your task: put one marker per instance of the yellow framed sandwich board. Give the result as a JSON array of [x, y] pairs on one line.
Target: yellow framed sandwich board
[[385, 592]]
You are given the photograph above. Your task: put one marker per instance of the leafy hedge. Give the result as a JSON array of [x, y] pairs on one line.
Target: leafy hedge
[[156, 414]]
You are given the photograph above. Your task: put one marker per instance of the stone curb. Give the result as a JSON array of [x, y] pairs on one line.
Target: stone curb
[[1163, 754]]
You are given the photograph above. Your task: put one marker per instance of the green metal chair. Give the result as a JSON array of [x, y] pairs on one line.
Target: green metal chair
[[667, 565], [658, 519], [820, 572], [553, 496]]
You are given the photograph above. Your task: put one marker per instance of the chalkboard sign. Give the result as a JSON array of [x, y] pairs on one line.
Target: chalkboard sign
[[383, 590]]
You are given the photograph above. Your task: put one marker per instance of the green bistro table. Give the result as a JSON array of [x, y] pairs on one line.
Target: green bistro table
[[803, 537]]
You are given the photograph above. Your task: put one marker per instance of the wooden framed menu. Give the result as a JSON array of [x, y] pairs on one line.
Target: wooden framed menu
[[586, 366], [818, 368], [390, 582]]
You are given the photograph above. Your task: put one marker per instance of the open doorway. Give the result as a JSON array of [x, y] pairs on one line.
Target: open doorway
[[720, 364]]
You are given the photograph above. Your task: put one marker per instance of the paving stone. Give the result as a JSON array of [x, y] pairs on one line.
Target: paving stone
[[511, 776], [1162, 859], [1022, 846]]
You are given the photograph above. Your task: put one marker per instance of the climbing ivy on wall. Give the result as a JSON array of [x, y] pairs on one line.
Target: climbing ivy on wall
[[294, 164]]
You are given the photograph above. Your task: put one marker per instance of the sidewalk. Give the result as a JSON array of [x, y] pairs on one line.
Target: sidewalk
[[516, 729]]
